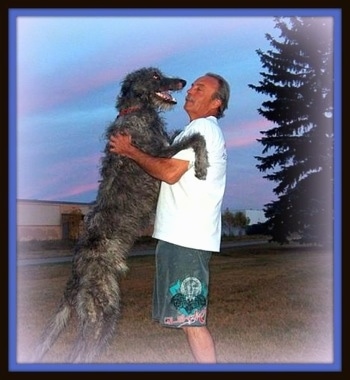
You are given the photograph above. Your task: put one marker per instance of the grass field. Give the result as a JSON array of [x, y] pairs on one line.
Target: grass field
[[268, 304]]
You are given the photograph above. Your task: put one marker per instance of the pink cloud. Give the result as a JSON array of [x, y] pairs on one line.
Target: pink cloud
[[73, 176], [241, 198], [41, 92], [244, 134], [74, 190]]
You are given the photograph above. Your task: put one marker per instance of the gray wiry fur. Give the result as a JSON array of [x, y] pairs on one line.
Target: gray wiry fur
[[125, 200]]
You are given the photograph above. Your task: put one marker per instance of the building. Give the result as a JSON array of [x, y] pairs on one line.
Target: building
[[52, 220], [255, 216], [46, 220]]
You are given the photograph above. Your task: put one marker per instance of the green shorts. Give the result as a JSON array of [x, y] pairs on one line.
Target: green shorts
[[180, 294]]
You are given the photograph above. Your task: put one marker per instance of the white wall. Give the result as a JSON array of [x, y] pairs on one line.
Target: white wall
[[38, 214], [255, 216]]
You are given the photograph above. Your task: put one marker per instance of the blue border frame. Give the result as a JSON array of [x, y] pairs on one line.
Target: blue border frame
[[336, 366]]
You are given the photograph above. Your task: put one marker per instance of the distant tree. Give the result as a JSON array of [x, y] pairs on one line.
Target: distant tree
[[232, 220], [228, 221], [240, 219], [299, 81]]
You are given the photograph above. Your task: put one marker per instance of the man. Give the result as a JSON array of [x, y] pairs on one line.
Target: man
[[188, 216]]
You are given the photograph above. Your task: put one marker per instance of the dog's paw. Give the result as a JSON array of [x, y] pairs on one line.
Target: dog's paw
[[200, 173]]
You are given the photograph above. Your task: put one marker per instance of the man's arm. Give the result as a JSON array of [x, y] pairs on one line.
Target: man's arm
[[169, 170]]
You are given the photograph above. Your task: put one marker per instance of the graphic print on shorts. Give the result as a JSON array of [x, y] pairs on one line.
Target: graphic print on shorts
[[189, 295]]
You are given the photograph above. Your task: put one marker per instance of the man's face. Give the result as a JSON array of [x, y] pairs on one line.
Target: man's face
[[199, 99]]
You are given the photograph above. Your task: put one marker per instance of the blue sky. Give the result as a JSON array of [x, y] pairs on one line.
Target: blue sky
[[69, 68]]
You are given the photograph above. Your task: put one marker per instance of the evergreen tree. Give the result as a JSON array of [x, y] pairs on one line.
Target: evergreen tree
[[299, 81]]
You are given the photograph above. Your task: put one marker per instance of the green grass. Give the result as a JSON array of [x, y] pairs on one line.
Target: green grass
[[268, 304]]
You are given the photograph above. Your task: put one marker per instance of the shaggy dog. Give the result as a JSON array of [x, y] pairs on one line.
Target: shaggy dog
[[126, 199]]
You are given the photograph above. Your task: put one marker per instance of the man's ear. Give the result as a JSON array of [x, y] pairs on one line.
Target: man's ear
[[217, 102]]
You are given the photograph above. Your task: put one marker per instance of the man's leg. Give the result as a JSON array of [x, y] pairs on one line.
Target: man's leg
[[201, 344]]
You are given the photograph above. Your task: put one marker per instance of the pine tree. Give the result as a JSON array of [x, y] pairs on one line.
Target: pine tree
[[299, 81]]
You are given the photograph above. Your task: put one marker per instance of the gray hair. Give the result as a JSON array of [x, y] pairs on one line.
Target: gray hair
[[223, 93]]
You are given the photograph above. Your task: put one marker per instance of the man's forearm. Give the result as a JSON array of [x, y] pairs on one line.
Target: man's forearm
[[168, 170]]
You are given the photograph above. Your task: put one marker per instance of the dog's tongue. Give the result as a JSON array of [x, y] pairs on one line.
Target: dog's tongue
[[166, 96]]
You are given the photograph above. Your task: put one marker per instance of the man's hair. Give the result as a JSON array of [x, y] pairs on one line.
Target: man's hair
[[223, 93]]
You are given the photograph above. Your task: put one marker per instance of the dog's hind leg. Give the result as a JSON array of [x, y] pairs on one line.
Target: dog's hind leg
[[94, 337], [97, 302], [98, 311]]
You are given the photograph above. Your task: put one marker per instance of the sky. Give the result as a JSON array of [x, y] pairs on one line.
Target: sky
[[69, 65]]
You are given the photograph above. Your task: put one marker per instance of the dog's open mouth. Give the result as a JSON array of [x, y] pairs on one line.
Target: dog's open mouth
[[167, 97]]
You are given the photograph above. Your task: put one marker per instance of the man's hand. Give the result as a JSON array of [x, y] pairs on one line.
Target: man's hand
[[121, 144]]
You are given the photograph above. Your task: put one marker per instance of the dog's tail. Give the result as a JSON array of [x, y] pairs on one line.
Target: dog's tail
[[53, 329]]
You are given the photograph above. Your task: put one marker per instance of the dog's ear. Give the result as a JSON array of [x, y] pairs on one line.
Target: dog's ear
[[127, 85], [124, 94], [124, 90]]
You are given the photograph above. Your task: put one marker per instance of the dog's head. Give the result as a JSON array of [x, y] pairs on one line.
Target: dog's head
[[149, 86]]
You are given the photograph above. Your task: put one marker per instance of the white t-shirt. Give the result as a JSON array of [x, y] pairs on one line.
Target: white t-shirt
[[189, 211]]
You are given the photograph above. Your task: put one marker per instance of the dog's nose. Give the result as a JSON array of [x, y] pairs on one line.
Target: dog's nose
[[182, 84]]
